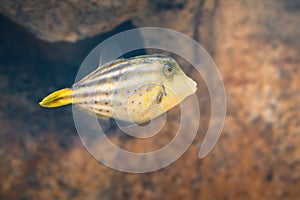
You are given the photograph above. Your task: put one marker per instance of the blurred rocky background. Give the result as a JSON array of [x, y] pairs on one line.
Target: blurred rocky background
[[256, 46]]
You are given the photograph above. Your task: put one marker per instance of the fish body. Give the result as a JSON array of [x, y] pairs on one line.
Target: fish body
[[136, 90]]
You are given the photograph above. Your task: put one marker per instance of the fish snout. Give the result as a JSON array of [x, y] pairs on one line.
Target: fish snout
[[193, 85]]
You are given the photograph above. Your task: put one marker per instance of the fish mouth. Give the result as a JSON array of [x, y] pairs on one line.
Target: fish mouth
[[193, 85]]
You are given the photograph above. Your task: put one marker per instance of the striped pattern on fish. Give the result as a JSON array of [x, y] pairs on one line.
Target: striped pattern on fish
[[127, 89]]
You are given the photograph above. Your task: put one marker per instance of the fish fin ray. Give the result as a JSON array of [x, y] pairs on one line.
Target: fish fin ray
[[59, 98]]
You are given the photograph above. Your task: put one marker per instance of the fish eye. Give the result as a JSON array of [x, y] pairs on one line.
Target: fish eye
[[168, 69]]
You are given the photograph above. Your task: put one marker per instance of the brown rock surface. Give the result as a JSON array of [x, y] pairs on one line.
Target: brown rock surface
[[256, 46], [69, 20]]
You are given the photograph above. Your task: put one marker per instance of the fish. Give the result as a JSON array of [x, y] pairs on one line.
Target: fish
[[136, 89]]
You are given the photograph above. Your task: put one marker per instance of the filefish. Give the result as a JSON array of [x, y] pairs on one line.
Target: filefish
[[136, 89]]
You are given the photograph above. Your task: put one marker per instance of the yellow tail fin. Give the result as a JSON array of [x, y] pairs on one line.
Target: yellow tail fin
[[58, 98]]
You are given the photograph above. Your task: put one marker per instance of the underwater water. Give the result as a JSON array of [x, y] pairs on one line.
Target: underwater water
[[256, 47]]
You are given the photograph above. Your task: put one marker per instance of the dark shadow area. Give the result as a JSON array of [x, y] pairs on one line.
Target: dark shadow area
[[31, 68]]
